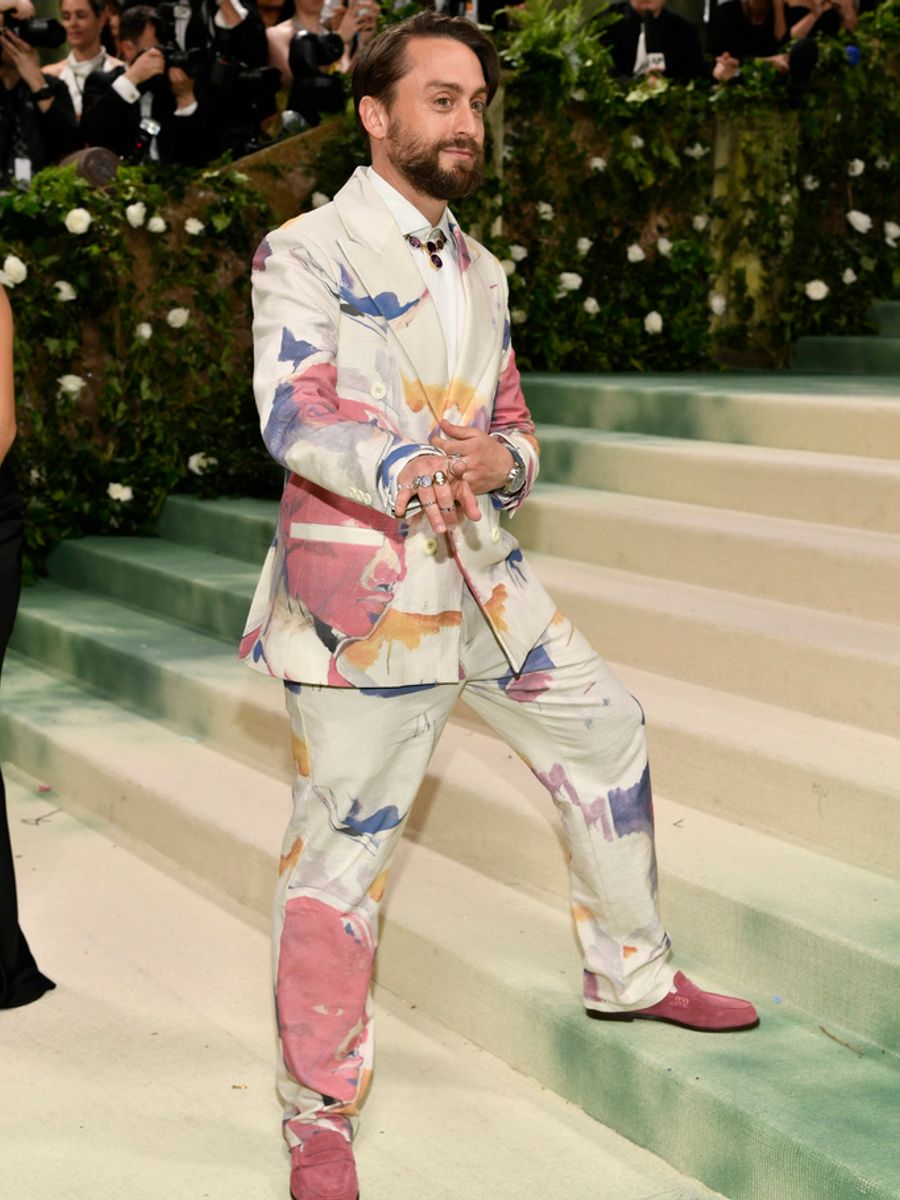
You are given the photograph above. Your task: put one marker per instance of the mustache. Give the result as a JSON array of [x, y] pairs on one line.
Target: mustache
[[461, 143]]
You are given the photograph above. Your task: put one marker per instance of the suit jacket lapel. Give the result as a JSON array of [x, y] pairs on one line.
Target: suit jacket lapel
[[383, 278]]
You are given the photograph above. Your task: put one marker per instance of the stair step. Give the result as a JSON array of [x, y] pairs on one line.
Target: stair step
[[773, 1103], [829, 489], [848, 355], [777, 771], [854, 572], [855, 415], [193, 1014], [886, 315], [728, 907]]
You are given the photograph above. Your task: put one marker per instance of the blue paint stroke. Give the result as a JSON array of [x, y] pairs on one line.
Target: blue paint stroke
[[632, 808], [294, 350], [385, 304]]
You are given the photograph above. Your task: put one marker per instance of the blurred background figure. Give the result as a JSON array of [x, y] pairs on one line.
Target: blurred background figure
[[807, 18], [311, 53], [37, 120], [20, 980], [758, 29], [84, 22]]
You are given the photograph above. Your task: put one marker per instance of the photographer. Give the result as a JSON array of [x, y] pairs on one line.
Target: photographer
[[84, 22], [806, 18], [147, 109], [310, 56], [37, 121]]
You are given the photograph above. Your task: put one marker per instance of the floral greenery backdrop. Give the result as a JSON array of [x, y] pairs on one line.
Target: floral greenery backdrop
[[673, 228]]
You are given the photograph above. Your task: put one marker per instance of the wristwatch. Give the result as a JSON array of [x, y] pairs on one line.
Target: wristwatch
[[516, 478]]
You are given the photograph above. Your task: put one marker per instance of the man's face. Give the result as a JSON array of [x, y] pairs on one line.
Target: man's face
[[650, 8], [435, 131], [146, 41]]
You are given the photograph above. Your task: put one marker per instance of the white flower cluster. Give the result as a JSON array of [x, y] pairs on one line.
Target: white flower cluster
[[177, 318], [545, 210], [13, 271], [136, 214], [193, 227], [569, 281], [663, 246], [653, 322], [64, 291], [860, 221], [696, 152], [700, 222], [78, 221], [120, 492], [891, 233], [717, 303], [198, 463], [855, 167], [156, 224], [635, 254], [597, 163], [70, 386], [591, 307], [517, 253], [317, 199], [816, 289]]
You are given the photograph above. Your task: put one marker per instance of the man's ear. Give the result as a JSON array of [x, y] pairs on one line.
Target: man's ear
[[374, 117]]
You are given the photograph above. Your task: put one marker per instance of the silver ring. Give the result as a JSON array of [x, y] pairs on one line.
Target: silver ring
[[423, 481], [426, 503], [450, 509], [439, 478], [401, 486]]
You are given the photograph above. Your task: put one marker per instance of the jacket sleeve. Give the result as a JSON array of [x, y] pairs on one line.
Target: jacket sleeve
[[511, 421], [344, 444], [58, 127]]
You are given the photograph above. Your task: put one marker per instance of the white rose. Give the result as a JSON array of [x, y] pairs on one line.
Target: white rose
[[891, 232], [64, 291], [14, 269], [78, 220], [579, 95], [786, 198], [517, 253], [810, 183], [849, 276], [317, 199], [855, 167], [700, 222], [177, 317], [136, 214], [591, 307], [860, 221], [664, 246], [635, 253], [696, 151], [545, 210], [882, 163], [518, 316], [637, 142], [717, 303], [71, 386], [653, 322], [569, 281], [198, 463], [120, 491], [5, 281], [144, 331], [193, 227], [584, 244], [509, 267], [816, 289], [156, 225], [597, 163]]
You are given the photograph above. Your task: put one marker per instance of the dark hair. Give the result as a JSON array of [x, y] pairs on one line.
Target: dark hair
[[382, 63], [134, 21], [96, 7]]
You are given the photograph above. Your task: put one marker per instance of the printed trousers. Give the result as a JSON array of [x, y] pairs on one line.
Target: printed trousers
[[361, 755]]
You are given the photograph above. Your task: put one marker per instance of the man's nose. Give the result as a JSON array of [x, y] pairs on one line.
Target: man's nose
[[468, 122]]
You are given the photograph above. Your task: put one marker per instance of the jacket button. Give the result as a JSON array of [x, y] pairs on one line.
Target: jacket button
[[429, 546], [366, 497], [378, 391]]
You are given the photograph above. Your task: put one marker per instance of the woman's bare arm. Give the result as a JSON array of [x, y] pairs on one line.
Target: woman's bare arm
[[7, 400]]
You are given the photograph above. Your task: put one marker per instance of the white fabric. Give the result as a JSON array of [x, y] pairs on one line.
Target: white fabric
[[640, 58], [444, 285], [126, 89], [239, 8], [76, 71]]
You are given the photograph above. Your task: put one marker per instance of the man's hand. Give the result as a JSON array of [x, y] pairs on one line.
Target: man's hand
[[148, 64], [24, 58], [182, 87], [726, 67], [439, 500], [22, 10], [478, 459]]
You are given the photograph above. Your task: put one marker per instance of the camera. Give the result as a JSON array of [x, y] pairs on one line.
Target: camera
[[313, 92], [41, 32], [191, 61]]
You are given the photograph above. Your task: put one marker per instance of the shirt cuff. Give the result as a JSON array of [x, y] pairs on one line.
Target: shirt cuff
[[126, 89], [187, 111], [239, 8], [392, 467]]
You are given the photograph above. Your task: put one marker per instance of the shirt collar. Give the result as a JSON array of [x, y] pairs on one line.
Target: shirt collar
[[407, 216]]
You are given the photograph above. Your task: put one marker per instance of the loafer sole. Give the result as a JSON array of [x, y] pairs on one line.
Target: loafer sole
[[639, 1016]]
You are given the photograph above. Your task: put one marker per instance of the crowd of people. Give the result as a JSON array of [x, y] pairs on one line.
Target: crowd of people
[[183, 81]]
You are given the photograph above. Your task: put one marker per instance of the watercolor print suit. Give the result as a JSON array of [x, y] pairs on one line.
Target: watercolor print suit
[[376, 626]]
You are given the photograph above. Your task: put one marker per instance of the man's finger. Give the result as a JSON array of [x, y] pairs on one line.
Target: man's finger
[[466, 497]]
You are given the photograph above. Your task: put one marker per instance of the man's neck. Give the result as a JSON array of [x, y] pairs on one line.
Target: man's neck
[[87, 54], [428, 206]]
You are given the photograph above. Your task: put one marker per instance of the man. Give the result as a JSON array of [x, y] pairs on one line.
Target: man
[[143, 110], [387, 387], [649, 40]]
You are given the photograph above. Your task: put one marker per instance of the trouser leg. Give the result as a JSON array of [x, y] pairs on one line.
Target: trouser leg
[[582, 735], [360, 759]]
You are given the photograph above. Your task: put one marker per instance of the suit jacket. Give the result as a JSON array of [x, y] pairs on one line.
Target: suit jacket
[[667, 34], [351, 381], [110, 121]]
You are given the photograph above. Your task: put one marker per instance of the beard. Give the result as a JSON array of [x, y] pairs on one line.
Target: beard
[[419, 162]]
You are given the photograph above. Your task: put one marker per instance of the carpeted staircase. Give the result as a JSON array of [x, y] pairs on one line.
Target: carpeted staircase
[[876, 355], [732, 545]]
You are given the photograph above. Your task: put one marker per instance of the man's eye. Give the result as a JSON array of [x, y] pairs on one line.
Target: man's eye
[[478, 106], [443, 101]]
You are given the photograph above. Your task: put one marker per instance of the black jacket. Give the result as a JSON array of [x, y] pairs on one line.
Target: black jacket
[[110, 121], [46, 137], [667, 34]]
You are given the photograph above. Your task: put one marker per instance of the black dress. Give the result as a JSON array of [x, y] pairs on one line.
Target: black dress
[[20, 980], [736, 34]]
